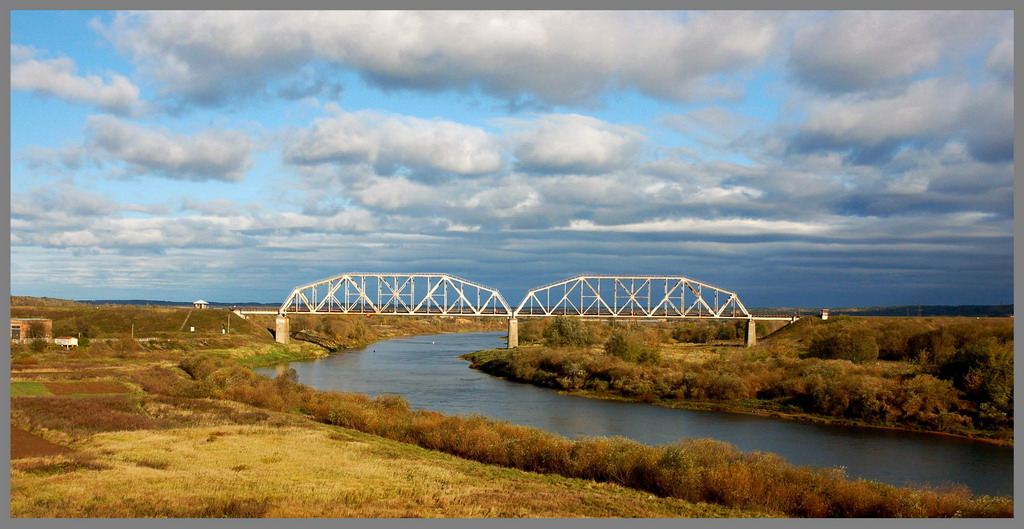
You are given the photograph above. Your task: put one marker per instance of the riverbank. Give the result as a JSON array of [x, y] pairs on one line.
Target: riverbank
[[176, 421], [783, 388], [119, 451], [768, 409]]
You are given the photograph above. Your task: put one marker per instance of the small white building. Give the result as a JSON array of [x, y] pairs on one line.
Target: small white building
[[200, 304], [66, 341], [824, 314]]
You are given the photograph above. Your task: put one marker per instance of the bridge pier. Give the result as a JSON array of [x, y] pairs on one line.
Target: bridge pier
[[513, 333], [751, 333], [282, 330]]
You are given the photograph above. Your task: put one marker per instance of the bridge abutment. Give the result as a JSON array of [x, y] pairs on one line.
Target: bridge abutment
[[282, 330], [513, 333]]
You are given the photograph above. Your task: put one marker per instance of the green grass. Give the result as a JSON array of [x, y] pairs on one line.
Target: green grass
[[29, 389], [281, 354]]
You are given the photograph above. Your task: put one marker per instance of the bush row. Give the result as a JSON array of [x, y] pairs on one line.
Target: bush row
[[833, 388]]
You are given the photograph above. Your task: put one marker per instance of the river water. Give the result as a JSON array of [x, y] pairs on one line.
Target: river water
[[428, 372]]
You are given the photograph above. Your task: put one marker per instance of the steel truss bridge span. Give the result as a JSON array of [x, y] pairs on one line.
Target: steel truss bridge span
[[396, 294], [585, 296], [609, 296]]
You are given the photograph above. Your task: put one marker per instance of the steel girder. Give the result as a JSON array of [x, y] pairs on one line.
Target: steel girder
[[632, 297], [396, 294]]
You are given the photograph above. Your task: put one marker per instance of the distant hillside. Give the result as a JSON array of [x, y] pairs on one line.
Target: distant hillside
[[158, 303], [25, 301], [31, 301], [974, 311], [971, 311]]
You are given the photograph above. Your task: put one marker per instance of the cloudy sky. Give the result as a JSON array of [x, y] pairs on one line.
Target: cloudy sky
[[818, 159]]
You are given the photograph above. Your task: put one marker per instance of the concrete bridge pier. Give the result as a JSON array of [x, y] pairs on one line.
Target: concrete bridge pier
[[282, 329], [751, 333], [513, 333]]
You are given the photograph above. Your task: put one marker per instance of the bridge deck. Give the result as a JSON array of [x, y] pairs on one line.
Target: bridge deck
[[592, 315]]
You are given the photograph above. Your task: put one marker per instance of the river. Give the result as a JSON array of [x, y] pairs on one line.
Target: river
[[428, 372]]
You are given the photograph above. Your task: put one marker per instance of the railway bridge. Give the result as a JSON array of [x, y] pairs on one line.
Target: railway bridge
[[586, 296]]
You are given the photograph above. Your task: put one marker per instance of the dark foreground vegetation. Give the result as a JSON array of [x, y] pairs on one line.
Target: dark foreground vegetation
[[951, 375], [202, 381]]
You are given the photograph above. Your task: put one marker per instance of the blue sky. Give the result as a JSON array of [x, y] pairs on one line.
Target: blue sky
[[798, 158]]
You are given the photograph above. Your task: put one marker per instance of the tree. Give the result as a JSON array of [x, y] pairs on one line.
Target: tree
[[36, 329], [37, 345], [632, 345], [843, 340], [567, 330]]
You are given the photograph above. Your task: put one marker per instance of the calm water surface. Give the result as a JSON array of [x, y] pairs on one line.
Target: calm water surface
[[426, 371]]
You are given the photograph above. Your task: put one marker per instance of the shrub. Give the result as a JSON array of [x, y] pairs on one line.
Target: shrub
[[632, 345], [983, 370], [571, 331], [844, 341], [199, 366], [126, 348], [156, 380], [532, 330], [692, 333], [38, 345]]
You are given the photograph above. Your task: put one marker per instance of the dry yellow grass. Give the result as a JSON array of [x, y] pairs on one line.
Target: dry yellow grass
[[686, 352], [308, 471]]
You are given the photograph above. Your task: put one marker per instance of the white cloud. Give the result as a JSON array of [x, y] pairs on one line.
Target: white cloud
[[60, 200], [928, 108], [388, 141], [698, 225], [932, 111], [58, 78], [390, 194], [864, 50], [1000, 61], [572, 143], [559, 57], [208, 155]]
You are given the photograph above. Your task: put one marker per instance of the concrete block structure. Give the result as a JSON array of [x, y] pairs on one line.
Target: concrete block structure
[[26, 329]]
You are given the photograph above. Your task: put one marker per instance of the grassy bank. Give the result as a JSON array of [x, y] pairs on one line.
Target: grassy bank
[[951, 376], [208, 419], [221, 459], [180, 426], [107, 436], [691, 470]]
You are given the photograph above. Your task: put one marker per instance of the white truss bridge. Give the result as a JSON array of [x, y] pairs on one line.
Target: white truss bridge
[[609, 296], [396, 294], [585, 296]]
